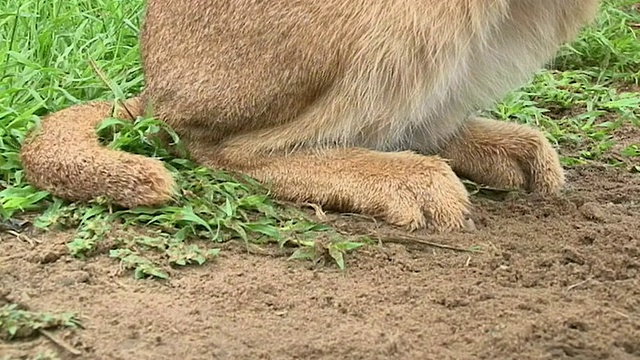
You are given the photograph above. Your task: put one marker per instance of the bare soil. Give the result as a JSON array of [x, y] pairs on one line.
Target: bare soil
[[559, 278]]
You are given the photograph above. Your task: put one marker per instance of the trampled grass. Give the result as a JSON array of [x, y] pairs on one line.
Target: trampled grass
[[45, 54], [16, 323]]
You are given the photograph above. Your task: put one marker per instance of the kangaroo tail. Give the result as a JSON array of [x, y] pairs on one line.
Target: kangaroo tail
[[64, 157]]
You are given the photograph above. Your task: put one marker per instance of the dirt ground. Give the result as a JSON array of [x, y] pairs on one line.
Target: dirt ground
[[559, 278]]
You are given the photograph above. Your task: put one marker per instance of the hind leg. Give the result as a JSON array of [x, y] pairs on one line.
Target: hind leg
[[505, 155], [406, 189]]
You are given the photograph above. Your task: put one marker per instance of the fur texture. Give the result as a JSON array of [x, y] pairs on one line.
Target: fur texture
[[356, 105]]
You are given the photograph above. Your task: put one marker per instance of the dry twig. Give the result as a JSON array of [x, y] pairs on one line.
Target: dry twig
[[418, 240], [70, 349], [105, 80]]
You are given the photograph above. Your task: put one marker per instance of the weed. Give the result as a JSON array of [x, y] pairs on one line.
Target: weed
[[16, 323]]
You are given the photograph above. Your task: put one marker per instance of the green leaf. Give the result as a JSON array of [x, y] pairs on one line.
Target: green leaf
[[187, 214], [109, 122], [268, 230], [304, 253], [631, 151], [13, 330], [337, 255], [347, 246], [228, 208]]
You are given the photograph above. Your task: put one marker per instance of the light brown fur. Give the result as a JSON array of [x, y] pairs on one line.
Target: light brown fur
[[357, 105]]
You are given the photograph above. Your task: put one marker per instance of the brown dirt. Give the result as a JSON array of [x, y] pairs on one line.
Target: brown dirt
[[559, 278]]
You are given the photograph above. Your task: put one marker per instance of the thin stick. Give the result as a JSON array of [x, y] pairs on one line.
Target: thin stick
[[578, 284], [60, 343], [23, 237], [320, 214], [622, 314], [103, 78], [418, 240]]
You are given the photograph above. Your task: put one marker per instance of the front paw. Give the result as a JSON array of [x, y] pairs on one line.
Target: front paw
[[428, 195], [541, 164], [507, 156]]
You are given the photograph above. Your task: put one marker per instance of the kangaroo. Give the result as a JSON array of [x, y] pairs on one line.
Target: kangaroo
[[359, 106]]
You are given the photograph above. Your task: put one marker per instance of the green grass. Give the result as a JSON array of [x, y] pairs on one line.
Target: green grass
[[45, 54], [17, 323]]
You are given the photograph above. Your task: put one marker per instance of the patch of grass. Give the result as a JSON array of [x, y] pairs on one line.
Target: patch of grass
[[48, 55], [609, 51], [16, 323], [575, 112], [45, 49]]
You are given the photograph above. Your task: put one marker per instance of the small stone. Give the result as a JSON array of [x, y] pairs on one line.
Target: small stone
[[74, 278], [592, 211], [50, 257], [571, 255]]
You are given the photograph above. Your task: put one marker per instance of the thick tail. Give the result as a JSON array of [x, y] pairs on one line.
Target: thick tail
[[64, 157]]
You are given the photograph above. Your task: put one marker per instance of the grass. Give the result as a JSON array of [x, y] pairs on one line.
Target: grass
[[45, 54], [17, 323]]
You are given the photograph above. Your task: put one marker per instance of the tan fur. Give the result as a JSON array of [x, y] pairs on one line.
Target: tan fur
[[324, 100]]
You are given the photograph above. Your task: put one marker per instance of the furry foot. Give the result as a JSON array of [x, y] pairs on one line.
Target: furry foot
[[406, 189], [505, 155]]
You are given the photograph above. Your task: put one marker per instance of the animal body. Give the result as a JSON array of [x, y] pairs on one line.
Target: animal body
[[360, 106]]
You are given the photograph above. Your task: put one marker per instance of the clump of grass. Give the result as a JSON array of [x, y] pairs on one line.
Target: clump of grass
[[45, 49], [574, 112], [608, 51], [16, 323]]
